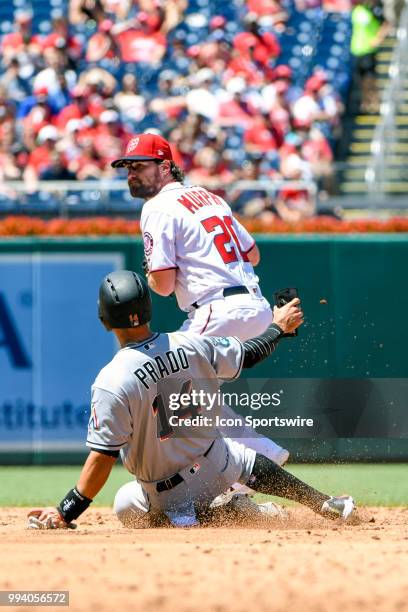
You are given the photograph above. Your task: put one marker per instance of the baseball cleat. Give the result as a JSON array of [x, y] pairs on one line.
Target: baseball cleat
[[243, 506], [224, 498], [272, 509], [338, 507]]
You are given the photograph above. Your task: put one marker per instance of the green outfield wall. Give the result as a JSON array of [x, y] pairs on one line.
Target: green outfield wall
[[354, 292]]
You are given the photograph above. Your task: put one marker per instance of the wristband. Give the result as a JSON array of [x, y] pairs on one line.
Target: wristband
[[73, 505]]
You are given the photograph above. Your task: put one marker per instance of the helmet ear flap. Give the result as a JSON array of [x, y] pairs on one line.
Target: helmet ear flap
[[102, 318], [124, 301]]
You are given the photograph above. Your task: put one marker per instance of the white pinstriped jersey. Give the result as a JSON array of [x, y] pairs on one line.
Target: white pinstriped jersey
[[131, 397], [192, 230]]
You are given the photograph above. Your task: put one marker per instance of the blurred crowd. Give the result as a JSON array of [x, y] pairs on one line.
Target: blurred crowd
[[71, 97]]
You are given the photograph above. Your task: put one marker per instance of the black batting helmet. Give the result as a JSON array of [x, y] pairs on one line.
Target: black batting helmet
[[124, 300]]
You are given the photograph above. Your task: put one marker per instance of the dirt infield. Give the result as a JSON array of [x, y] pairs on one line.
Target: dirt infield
[[305, 563]]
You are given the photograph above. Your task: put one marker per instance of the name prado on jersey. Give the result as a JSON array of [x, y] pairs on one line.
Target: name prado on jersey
[[130, 397]]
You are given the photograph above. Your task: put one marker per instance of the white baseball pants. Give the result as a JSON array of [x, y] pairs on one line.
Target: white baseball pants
[[139, 504], [244, 316]]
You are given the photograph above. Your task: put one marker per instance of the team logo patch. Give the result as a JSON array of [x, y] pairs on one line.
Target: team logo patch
[[220, 341], [194, 468], [134, 320], [67, 503], [148, 243], [132, 144], [160, 152], [93, 421]]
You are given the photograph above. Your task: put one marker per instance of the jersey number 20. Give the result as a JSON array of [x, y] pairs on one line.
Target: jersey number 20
[[225, 238]]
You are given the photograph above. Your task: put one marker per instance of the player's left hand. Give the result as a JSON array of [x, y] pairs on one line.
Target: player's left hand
[[47, 518], [289, 317]]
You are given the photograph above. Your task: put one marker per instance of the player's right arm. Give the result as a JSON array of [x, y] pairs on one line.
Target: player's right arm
[[162, 282], [93, 477], [248, 244], [95, 473], [159, 239], [254, 256], [109, 428]]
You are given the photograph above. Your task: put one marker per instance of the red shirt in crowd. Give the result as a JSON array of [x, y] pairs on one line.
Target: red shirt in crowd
[[316, 150], [15, 40], [41, 158], [265, 46], [234, 113], [259, 138], [73, 45], [71, 111], [263, 7], [245, 67], [136, 46], [109, 145], [280, 116], [293, 196]]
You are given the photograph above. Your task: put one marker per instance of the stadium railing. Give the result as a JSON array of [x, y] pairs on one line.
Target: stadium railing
[[386, 133], [68, 198], [111, 197]]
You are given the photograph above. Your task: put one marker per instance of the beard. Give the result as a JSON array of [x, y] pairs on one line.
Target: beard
[[138, 190]]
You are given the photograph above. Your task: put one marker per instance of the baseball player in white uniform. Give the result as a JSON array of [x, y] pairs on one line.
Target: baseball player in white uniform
[[179, 465], [195, 248]]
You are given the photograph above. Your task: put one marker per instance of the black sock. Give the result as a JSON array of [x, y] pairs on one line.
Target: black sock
[[268, 477]]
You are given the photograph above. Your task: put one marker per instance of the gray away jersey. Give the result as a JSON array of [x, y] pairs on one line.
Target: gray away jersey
[[130, 408]]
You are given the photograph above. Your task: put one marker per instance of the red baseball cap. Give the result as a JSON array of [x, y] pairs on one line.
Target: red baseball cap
[[218, 21], [314, 83], [144, 147], [283, 71]]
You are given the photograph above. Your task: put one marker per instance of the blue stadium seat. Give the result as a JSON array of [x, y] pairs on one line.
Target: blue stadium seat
[[236, 156], [332, 62], [295, 63], [7, 205], [121, 202], [305, 26], [84, 202], [45, 27], [39, 203], [340, 37], [5, 26]]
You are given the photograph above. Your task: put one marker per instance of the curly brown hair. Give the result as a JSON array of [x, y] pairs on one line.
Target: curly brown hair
[[177, 172]]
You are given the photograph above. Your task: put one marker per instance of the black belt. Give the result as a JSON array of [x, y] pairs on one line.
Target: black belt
[[228, 291], [169, 483], [173, 481]]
